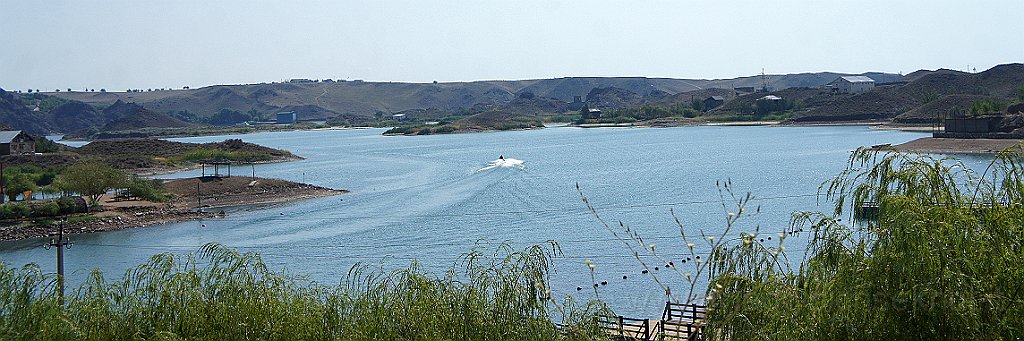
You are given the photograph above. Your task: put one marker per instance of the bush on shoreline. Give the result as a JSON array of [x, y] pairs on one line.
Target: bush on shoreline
[[220, 293], [939, 259]]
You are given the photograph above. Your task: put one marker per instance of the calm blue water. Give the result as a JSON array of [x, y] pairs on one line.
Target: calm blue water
[[424, 198]]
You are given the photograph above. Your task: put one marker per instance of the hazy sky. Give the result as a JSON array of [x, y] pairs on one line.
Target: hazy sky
[[151, 44]]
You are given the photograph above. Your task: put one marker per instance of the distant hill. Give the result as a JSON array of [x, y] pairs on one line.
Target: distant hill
[[129, 116], [917, 101], [75, 116], [613, 98], [15, 113], [327, 99], [358, 102], [529, 103], [926, 113]]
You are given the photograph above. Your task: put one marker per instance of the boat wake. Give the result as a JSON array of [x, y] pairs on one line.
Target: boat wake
[[503, 163]]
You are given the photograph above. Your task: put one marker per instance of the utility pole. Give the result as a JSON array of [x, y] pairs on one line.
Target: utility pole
[[199, 195], [60, 244]]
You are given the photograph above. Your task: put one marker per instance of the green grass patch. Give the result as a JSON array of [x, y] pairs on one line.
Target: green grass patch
[[224, 155]]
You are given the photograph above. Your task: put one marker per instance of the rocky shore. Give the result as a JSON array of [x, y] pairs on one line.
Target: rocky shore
[[188, 203]]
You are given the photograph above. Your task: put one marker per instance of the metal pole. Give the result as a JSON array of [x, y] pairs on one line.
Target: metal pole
[[60, 261], [199, 195], [61, 243]]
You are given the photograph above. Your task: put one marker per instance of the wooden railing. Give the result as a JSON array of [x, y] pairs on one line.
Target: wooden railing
[[686, 312], [680, 330], [678, 322], [625, 327], [682, 322]]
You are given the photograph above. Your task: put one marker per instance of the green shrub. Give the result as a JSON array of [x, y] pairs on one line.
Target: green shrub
[[15, 210], [444, 129], [224, 155], [939, 260], [70, 205], [986, 106], [220, 294], [49, 209], [147, 189]]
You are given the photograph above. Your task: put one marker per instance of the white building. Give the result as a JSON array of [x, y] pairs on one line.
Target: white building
[[852, 84]]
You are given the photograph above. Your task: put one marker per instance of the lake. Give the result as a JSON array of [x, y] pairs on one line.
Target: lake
[[429, 198]]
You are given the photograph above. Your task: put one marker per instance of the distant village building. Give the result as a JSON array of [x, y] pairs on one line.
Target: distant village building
[[743, 90], [852, 84], [301, 80], [770, 98], [14, 142], [592, 113], [398, 117], [288, 117], [713, 102]]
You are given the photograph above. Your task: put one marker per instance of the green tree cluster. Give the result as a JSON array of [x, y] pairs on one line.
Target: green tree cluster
[[986, 106], [646, 112], [91, 179], [20, 179], [44, 145], [763, 107]]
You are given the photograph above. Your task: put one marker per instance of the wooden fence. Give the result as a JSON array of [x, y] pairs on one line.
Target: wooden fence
[[678, 322]]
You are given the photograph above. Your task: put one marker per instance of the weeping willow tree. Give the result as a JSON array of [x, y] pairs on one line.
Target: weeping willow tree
[[939, 257], [221, 294]]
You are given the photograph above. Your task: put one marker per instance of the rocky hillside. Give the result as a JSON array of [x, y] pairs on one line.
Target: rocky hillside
[[358, 102], [153, 153], [914, 102], [128, 116], [485, 121], [326, 99], [16, 113]]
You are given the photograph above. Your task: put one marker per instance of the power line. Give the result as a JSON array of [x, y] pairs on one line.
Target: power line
[[492, 213]]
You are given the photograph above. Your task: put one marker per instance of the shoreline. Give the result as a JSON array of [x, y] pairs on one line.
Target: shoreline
[[218, 193], [170, 170], [465, 131], [880, 125], [932, 145]]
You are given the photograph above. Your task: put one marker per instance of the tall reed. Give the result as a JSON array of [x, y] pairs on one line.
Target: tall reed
[[939, 259], [219, 293]]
